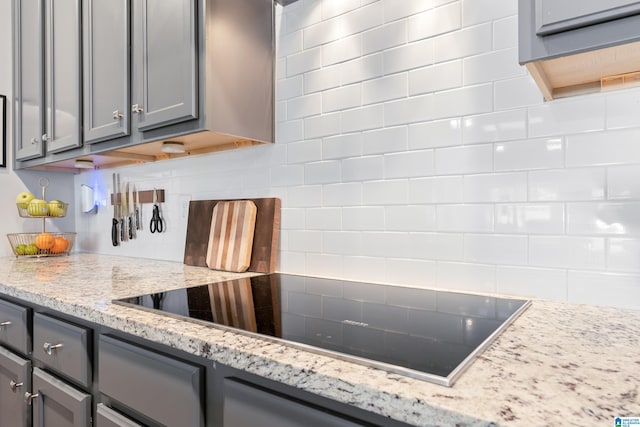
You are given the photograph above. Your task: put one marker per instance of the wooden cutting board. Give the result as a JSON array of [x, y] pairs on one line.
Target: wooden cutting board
[[265, 238], [231, 236]]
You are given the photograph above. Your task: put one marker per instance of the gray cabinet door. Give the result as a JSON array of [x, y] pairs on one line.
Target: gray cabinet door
[[57, 404], [28, 79], [15, 379], [63, 75], [554, 16], [106, 38], [164, 62], [245, 406]]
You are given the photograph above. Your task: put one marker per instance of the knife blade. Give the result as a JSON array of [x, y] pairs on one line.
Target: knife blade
[[120, 217], [130, 202], [138, 210], [114, 226], [125, 222]]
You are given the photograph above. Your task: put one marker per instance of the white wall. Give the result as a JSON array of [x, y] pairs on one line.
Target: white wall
[[11, 183], [412, 148]]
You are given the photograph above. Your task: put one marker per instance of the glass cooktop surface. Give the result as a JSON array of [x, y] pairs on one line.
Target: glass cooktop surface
[[426, 334]]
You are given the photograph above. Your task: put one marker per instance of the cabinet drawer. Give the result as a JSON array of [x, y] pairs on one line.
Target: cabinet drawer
[[107, 417], [62, 347], [166, 390], [14, 327], [15, 379]]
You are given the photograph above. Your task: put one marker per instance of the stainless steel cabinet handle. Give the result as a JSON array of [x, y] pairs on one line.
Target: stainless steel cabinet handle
[[137, 108], [117, 115], [45, 137], [48, 347], [28, 397], [13, 386], [3, 324]]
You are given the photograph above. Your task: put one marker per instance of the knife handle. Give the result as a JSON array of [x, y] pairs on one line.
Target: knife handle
[[130, 227], [114, 232], [122, 230], [138, 218]]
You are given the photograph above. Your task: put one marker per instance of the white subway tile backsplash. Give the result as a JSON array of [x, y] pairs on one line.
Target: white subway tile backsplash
[[322, 79], [331, 8], [530, 218], [364, 268], [407, 57], [388, 192], [323, 125], [623, 254], [361, 69], [385, 245], [604, 218], [614, 290], [362, 118], [501, 126], [531, 282], [289, 88], [398, 9], [304, 196], [304, 106], [466, 42], [304, 241], [623, 182], [363, 169], [342, 146], [304, 61], [567, 184], [322, 172], [540, 153], [476, 11], [281, 111], [342, 98], [467, 277], [387, 140], [496, 249], [409, 110], [306, 151], [304, 15], [583, 114], [464, 101], [505, 33], [342, 242], [385, 89], [323, 219], [516, 93], [439, 133], [286, 175], [439, 189], [292, 219], [411, 272], [622, 109], [447, 75], [289, 131], [384, 37], [465, 218], [346, 194], [585, 253], [363, 218], [435, 21], [410, 218], [323, 265], [408, 164], [503, 187], [289, 44], [492, 66], [342, 50], [464, 160], [603, 148], [438, 246]]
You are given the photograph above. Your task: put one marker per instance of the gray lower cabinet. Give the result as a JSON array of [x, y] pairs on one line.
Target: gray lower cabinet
[[15, 379], [15, 321], [158, 388], [246, 405], [47, 77], [57, 404], [107, 417]]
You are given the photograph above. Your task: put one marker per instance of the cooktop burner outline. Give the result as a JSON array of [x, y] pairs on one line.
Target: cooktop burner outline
[[432, 335]]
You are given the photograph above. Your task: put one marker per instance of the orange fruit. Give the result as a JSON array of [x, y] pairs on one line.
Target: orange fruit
[[60, 245], [44, 241]]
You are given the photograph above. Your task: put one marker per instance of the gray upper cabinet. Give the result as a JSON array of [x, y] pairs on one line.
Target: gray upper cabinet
[[164, 62], [554, 16], [106, 39], [47, 77], [28, 79]]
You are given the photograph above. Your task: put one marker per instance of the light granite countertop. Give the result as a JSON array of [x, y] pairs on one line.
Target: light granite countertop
[[557, 364]]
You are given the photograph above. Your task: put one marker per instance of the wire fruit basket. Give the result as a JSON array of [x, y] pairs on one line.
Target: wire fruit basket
[[53, 209], [41, 244]]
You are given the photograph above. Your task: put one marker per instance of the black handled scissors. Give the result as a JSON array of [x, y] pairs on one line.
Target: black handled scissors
[[156, 224]]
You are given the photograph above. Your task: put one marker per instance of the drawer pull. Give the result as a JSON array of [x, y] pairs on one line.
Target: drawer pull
[[14, 385], [48, 347], [3, 324], [28, 397]]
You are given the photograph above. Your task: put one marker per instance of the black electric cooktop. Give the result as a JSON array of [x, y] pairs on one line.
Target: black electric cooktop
[[422, 333]]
